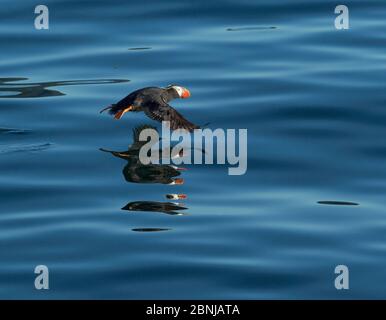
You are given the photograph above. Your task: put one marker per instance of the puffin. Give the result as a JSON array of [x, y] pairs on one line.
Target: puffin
[[154, 101]]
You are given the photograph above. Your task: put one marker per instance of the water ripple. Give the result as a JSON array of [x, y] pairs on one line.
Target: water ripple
[[14, 131], [25, 148], [150, 229], [257, 28], [40, 89], [338, 203]]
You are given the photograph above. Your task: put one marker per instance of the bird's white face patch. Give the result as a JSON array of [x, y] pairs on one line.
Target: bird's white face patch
[[179, 90]]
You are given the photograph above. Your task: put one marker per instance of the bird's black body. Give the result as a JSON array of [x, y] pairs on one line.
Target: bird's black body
[[149, 96], [154, 102]]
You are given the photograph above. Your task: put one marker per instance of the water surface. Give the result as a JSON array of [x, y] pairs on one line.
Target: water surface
[[311, 97]]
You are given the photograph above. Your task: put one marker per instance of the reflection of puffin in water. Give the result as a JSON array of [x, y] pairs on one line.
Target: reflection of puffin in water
[[151, 173], [137, 172], [155, 206]]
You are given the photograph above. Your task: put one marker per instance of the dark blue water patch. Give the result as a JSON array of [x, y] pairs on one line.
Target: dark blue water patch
[[139, 48], [40, 89], [150, 229], [338, 203]]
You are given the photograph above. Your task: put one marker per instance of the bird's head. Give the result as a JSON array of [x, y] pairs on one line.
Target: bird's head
[[178, 91]]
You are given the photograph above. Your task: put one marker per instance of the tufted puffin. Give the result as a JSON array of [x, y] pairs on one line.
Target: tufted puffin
[[154, 102]]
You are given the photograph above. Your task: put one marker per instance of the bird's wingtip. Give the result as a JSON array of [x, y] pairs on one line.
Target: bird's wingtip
[[104, 109]]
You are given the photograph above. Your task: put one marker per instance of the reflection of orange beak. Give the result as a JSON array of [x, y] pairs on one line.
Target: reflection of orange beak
[[185, 94], [174, 196], [179, 181]]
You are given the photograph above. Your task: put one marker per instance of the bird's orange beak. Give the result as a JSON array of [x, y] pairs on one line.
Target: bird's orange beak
[[185, 93]]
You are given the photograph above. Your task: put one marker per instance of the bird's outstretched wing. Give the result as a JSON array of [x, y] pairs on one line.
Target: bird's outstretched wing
[[165, 112]]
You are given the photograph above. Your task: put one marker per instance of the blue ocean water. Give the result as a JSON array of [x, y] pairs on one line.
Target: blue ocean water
[[313, 101]]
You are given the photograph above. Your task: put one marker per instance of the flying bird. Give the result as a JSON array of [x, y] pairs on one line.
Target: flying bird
[[154, 102]]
